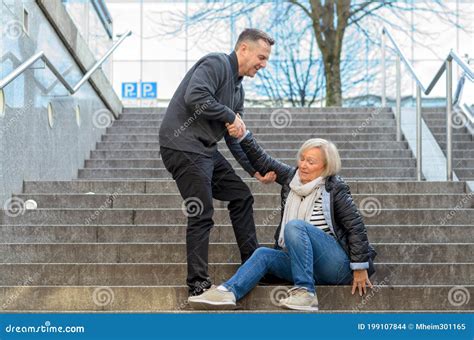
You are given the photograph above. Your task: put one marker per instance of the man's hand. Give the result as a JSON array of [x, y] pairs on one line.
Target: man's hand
[[237, 128], [270, 177], [361, 278]]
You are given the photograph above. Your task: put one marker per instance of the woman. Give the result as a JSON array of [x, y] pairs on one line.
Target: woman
[[321, 238]]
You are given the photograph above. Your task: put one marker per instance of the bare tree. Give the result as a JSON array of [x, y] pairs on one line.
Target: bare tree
[[295, 74], [329, 21], [331, 18], [294, 79]]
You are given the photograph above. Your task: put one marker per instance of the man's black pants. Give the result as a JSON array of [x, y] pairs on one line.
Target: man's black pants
[[199, 180]]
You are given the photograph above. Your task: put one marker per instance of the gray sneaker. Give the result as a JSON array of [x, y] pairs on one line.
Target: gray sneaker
[[213, 299], [300, 299]]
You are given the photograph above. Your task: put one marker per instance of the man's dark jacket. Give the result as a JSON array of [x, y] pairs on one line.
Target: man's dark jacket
[[208, 97]]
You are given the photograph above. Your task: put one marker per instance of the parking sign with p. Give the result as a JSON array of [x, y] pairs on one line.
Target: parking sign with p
[[148, 90]]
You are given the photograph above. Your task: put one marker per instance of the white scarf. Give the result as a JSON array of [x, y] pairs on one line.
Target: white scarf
[[300, 202]]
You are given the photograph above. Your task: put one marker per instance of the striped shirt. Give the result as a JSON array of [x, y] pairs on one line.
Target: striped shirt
[[317, 217]]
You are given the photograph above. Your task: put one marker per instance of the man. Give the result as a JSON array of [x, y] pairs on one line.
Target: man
[[209, 98]]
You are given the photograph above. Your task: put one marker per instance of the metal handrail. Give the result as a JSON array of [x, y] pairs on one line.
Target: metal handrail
[[420, 88], [463, 109], [40, 55], [451, 56]]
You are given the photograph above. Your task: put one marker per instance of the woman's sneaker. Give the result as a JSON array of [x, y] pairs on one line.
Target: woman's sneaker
[[213, 299], [300, 299]]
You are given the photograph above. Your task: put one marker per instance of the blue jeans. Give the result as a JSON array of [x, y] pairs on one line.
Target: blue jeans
[[312, 257]]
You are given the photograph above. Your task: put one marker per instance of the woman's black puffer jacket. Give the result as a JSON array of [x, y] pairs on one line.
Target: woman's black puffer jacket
[[347, 222]]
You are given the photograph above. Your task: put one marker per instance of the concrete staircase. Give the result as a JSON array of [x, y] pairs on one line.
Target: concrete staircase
[[463, 141], [113, 240]]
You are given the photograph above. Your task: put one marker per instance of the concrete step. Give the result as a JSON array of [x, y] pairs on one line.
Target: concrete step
[[141, 274], [436, 116], [278, 115], [262, 200], [439, 109], [129, 236], [379, 216], [346, 163], [274, 114], [261, 216], [439, 233], [293, 137], [463, 163], [284, 117], [290, 154], [457, 137], [439, 114], [435, 121], [463, 143], [267, 114], [277, 145], [459, 128], [360, 173], [251, 110], [463, 153], [428, 117], [164, 186], [342, 145], [442, 130], [250, 123], [261, 298], [466, 174], [458, 145], [255, 129], [446, 233], [157, 253]]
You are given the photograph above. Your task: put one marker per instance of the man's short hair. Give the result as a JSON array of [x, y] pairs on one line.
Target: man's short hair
[[253, 34]]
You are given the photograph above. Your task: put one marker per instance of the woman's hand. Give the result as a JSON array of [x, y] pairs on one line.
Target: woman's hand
[[361, 279]]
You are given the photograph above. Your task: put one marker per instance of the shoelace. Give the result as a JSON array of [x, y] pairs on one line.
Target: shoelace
[[297, 291]]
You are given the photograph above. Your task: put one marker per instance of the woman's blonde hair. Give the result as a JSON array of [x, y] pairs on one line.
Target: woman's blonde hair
[[331, 155]]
